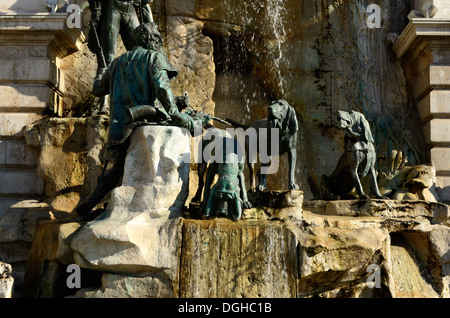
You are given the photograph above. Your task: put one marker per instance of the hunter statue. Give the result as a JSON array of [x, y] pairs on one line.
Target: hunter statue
[[109, 18], [139, 84]]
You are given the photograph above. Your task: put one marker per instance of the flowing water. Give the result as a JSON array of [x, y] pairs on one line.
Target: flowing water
[[263, 36], [275, 13]]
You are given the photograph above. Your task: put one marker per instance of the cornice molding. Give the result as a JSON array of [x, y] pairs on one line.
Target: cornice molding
[[420, 29], [34, 28]]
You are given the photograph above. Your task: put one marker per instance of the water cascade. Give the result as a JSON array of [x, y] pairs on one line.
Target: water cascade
[[254, 44]]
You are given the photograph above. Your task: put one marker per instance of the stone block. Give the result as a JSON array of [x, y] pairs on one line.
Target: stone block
[[21, 182], [3, 156], [23, 6], [440, 240], [441, 57], [437, 131], [409, 280], [222, 258], [36, 69], [440, 76], [6, 203], [374, 208], [11, 124], [157, 168], [440, 246], [6, 281], [49, 29], [12, 51], [119, 286], [19, 221], [436, 103], [16, 153], [129, 243], [443, 187], [441, 159], [6, 69], [332, 256], [431, 77], [24, 97]]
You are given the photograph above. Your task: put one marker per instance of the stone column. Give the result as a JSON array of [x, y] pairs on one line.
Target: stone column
[[424, 48], [32, 44]]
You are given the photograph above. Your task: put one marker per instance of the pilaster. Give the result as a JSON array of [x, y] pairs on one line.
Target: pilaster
[[31, 82], [424, 48]]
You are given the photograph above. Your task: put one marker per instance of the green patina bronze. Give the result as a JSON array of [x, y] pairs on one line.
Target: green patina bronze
[[114, 17], [229, 195], [139, 77]]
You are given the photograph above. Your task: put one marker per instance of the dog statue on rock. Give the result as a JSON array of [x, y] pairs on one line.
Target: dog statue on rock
[[357, 161], [281, 115]]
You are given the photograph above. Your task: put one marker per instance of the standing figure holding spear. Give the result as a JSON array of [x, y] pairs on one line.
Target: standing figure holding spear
[[109, 19]]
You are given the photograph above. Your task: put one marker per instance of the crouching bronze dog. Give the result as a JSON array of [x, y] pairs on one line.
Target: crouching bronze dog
[[358, 159], [281, 115]]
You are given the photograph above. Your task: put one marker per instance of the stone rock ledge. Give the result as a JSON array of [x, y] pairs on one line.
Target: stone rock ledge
[[259, 256], [436, 212]]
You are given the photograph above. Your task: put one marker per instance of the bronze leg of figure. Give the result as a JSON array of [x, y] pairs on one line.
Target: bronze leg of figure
[[292, 158]]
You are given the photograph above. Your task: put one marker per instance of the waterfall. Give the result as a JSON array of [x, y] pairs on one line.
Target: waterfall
[[275, 13], [269, 18], [262, 33]]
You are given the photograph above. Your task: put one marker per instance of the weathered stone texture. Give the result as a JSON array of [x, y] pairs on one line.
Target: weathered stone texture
[[6, 281], [119, 286], [141, 230], [225, 259], [268, 253], [191, 53], [157, 170], [70, 156]]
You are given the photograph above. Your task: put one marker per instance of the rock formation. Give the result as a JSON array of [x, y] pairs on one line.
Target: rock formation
[[139, 232], [327, 249]]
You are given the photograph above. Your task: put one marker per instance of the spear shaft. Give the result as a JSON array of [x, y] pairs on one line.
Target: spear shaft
[[100, 49]]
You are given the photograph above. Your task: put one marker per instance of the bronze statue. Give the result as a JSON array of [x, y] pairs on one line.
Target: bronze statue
[[228, 196], [109, 19], [281, 115], [358, 160], [113, 17], [139, 84]]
